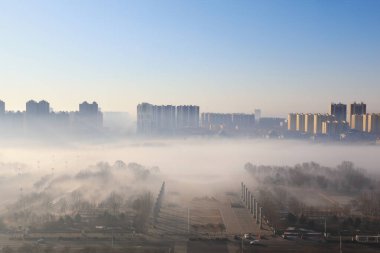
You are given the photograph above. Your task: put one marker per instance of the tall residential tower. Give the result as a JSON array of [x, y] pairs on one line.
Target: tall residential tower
[[339, 111]]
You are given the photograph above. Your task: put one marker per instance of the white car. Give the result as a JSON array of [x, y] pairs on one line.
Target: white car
[[254, 242]]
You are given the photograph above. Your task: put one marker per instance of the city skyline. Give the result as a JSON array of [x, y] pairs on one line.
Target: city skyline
[[348, 113], [222, 56]]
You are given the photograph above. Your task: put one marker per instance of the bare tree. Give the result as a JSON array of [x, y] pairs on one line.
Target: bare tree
[[76, 200], [143, 207], [114, 202]]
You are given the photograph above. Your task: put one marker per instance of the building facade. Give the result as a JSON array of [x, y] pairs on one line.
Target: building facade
[[34, 108], [309, 123], [318, 122], [300, 122], [339, 111], [86, 108], [356, 122], [165, 119], [228, 121], [373, 124], [358, 109], [2, 108], [216, 121], [292, 121], [187, 116], [88, 118]]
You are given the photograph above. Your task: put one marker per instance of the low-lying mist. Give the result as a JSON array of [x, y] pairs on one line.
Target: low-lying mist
[[44, 185], [188, 156], [199, 166]]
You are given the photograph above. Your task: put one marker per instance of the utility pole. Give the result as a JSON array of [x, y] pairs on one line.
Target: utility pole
[[340, 244], [242, 243], [112, 239], [242, 190], [188, 220]]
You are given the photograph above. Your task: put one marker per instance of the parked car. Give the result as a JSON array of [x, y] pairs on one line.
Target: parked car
[[254, 242]]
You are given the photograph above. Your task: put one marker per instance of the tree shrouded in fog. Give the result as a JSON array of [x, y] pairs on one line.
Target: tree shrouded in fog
[[143, 206]]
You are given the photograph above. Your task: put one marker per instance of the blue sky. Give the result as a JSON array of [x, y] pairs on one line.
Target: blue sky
[[226, 56]]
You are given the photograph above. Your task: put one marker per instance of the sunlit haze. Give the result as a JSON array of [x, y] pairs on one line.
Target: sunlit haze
[[198, 126], [225, 56]]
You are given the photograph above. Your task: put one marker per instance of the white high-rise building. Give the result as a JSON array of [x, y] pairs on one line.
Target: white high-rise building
[[292, 122], [356, 122], [318, 122], [309, 123], [300, 122], [373, 125]]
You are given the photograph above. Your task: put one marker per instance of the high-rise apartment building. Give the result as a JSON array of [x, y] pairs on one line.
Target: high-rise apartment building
[[339, 111], [330, 127], [356, 122], [300, 122], [187, 116], [41, 108], [334, 127], [165, 117], [86, 108], [216, 121], [158, 119], [88, 117], [243, 121], [373, 123], [31, 107], [38, 117], [365, 122], [292, 122], [228, 121], [358, 109], [145, 118], [309, 123], [318, 122], [2, 107]]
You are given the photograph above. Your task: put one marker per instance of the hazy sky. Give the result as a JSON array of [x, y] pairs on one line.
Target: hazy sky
[[280, 56]]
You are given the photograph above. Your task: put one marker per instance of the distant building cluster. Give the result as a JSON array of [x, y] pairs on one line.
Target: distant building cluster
[[227, 121], [38, 116], [186, 119], [315, 123], [152, 119], [357, 124], [366, 123], [335, 123]]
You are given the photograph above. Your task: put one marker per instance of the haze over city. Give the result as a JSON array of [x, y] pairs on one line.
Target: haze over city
[[197, 126]]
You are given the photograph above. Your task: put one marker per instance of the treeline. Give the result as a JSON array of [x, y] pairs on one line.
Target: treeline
[[345, 178], [104, 191], [280, 191], [115, 211]]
